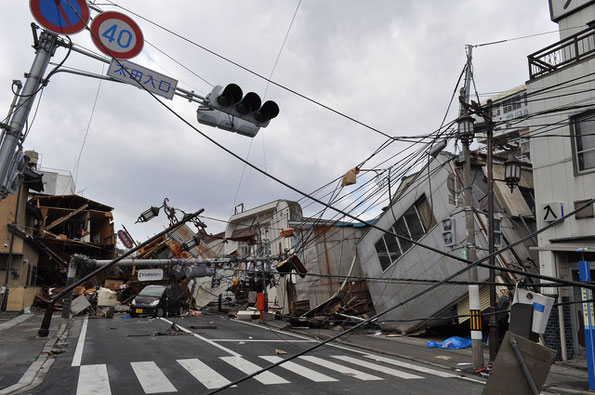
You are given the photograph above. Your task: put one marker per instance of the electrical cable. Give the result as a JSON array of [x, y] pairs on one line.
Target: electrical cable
[[403, 302], [76, 167], [320, 104], [478, 262]]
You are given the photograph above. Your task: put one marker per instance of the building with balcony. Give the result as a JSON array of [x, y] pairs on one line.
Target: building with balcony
[[561, 102]]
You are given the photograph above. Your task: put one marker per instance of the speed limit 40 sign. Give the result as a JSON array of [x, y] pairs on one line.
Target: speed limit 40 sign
[[116, 35]]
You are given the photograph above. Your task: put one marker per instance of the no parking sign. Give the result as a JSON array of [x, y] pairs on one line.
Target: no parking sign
[[61, 16]]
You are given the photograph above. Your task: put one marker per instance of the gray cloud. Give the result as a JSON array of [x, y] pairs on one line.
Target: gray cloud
[[392, 65]]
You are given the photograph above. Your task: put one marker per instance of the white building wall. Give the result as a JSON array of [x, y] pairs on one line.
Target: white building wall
[[55, 183], [552, 157]]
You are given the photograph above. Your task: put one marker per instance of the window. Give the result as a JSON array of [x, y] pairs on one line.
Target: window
[[454, 187], [382, 254], [587, 212], [584, 142], [529, 198], [514, 103], [413, 224], [400, 228], [416, 229]]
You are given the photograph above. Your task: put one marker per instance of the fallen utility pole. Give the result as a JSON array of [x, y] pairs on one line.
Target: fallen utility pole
[[176, 261], [44, 330]]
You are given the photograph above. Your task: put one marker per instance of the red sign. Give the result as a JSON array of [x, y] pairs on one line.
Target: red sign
[[125, 239], [61, 16], [116, 35]]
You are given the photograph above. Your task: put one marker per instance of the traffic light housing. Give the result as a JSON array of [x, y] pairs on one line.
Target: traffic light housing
[[449, 234], [15, 175], [498, 236], [229, 109]]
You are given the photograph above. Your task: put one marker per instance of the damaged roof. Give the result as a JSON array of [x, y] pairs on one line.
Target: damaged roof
[[71, 201]]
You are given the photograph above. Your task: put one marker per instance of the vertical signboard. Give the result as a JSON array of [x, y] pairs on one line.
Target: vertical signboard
[[589, 319]]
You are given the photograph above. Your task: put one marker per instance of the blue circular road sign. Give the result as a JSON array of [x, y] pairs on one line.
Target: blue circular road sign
[[61, 16]]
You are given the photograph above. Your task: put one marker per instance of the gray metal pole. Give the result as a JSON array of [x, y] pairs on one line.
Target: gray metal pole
[[474, 302], [46, 47], [67, 301]]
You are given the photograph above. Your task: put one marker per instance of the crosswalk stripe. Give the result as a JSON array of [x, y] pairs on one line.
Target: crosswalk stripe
[[203, 373], [249, 368], [340, 368], [299, 369], [379, 368], [410, 366], [152, 378], [93, 380]]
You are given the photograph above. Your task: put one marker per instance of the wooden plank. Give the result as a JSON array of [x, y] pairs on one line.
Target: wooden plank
[[67, 216]]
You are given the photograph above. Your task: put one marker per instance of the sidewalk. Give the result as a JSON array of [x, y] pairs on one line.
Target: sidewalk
[[22, 353], [569, 377]]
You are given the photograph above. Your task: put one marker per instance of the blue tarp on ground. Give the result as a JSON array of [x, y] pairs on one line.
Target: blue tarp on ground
[[452, 343]]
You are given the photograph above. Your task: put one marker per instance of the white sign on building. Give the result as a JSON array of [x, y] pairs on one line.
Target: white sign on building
[[551, 212], [150, 274], [561, 8]]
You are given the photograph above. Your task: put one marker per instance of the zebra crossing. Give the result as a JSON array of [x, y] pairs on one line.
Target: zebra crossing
[[94, 379]]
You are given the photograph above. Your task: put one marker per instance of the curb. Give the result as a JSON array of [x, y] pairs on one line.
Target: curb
[[36, 373]]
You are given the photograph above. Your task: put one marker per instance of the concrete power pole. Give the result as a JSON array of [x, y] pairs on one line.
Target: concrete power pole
[[474, 304], [12, 133]]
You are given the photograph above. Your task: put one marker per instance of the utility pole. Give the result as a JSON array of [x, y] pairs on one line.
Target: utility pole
[[12, 134], [466, 136], [493, 324]]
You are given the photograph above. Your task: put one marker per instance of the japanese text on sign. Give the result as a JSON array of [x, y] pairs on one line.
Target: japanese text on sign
[[134, 74]]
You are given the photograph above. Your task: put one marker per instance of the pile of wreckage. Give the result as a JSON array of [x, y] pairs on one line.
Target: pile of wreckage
[[350, 305]]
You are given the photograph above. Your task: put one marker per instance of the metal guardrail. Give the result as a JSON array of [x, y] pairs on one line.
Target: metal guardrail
[[563, 53]]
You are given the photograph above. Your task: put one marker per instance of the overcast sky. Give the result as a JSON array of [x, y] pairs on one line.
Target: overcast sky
[[389, 64]]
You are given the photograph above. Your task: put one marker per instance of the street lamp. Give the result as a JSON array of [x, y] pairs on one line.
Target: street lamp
[[191, 243], [148, 215], [465, 131], [153, 211], [512, 172]]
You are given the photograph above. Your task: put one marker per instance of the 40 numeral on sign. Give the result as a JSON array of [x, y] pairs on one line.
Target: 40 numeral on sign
[[124, 37]]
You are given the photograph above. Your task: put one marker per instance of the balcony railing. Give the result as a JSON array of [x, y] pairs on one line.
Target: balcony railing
[[563, 53]]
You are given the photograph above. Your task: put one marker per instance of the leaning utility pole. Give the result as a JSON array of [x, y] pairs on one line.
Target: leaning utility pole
[[466, 137], [12, 134], [12, 131]]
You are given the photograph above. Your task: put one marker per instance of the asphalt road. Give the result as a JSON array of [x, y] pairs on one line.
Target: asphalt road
[[135, 356]]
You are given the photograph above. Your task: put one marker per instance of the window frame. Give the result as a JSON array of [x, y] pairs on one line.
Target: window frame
[[574, 123], [399, 242]]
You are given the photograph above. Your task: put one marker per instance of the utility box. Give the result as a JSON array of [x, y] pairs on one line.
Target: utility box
[[542, 307]]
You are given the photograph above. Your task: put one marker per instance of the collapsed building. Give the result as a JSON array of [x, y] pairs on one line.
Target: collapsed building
[[428, 209], [40, 232]]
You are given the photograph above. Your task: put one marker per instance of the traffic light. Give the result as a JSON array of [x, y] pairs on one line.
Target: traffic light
[[498, 233], [449, 234], [15, 175], [229, 109]]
